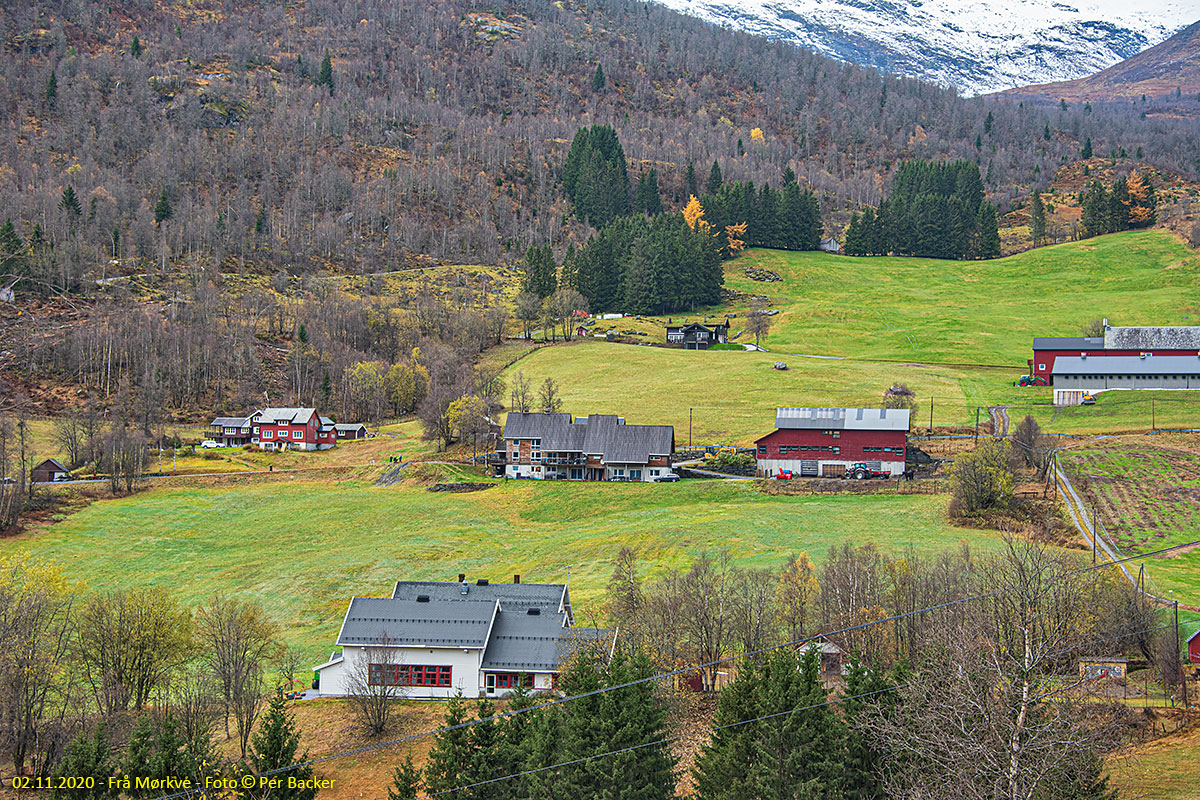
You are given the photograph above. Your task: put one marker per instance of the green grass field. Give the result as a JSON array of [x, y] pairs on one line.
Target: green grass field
[[304, 547], [973, 312], [957, 331]]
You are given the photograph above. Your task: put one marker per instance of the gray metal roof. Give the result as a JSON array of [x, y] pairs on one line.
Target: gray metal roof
[[603, 435], [1126, 365], [408, 623], [495, 618], [1153, 337], [296, 416], [230, 422], [343, 426], [1067, 342], [849, 419]]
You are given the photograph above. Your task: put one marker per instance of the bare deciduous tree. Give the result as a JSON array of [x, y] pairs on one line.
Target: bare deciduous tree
[[374, 683], [549, 398], [520, 396], [237, 639]]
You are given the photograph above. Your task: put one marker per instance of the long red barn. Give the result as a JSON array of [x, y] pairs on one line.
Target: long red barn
[[825, 441], [1160, 340]]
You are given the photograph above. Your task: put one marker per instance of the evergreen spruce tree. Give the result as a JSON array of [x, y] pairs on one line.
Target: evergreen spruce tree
[[260, 219], [451, 753], [483, 738], [725, 767], [1037, 218], [800, 752], [989, 122], [162, 209], [598, 83], [714, 179], [853, 246], [51, 94], [135, 48], [1046, 133], [861, 767], [1118, 203], [326, 391], [69, 202], [633, 717], [988, 232], [12, 249], [689, 179], [1096, 210], [325, 73], [274, 747], [541, 271], [86, 757], [1086, 153], [406, 781]]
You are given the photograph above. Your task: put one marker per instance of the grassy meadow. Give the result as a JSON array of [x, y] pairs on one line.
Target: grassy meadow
[[304, 547], [957, 331]]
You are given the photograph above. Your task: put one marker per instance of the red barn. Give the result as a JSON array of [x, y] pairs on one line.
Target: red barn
[[825, 441], [1193, 644], [1143, 341]]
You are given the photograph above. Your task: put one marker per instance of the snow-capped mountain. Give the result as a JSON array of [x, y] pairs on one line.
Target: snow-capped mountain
[[976, 45]]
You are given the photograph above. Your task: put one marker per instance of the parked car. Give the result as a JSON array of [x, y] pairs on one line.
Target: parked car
[[666, 479], [209, 444]]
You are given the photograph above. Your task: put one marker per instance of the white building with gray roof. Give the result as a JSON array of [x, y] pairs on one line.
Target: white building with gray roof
[[599, 447], [1076, 376], [437, 640]]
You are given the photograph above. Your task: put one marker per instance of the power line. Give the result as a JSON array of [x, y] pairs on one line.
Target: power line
[[664, 675], [831, 701]]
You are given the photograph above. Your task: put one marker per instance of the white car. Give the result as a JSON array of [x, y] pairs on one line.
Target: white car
[[209, 444]]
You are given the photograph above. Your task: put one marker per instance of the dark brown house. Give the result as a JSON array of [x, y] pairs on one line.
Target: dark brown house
[[50, 470]]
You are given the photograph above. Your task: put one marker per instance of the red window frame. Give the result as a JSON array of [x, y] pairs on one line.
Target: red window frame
[[410, 675], [511, 680]]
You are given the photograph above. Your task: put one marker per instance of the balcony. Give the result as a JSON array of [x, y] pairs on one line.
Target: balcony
[[497, 458], [577, 461]]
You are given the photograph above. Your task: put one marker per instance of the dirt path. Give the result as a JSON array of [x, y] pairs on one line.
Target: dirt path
[[999, 415]]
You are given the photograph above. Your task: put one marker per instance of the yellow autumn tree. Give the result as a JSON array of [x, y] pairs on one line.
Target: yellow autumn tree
[[796, 592], [1141, 201], [733, 238], [693, 212], [756, 135]]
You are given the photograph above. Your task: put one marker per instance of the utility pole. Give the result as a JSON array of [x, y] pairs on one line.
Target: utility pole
[[1094, 533], [976, 426], [1182, 673], [931, 415], [1152, 411], [689, 429]]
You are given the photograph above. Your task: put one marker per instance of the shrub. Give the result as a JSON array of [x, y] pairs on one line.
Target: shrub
[[982, 479]]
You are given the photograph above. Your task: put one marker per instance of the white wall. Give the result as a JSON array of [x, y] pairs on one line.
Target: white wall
[[771, 466], [464, 675]]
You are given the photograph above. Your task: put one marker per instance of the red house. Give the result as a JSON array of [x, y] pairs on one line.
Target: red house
[[825, 441], [292, 429], [1143, 341]]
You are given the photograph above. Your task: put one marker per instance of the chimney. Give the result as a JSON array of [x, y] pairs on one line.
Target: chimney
[[517, 578]]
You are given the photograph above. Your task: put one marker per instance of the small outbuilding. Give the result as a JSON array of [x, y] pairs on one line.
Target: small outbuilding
[[50, 470], [1193, 645], [350, 430], [831, 245]]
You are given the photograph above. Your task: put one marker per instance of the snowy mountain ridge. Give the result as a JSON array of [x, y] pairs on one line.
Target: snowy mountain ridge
[[975, 45]]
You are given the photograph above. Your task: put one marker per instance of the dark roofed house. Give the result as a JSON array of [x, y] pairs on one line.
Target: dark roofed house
[[599, 447], [349, 430], [50, 470], [696, 336], [438, 639]]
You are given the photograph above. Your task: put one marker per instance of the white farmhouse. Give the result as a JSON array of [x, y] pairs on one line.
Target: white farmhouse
[[442, 639]]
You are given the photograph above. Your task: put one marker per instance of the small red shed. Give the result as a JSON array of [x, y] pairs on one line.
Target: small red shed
[[1193, 644]]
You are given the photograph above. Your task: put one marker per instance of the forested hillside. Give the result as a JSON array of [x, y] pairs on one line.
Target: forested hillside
[[442, 128]]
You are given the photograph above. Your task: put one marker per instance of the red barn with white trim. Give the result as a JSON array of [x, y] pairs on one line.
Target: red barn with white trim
[[825, 441]]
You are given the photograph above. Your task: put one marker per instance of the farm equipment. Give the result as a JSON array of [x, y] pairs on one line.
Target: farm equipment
[[784, 475], [1087, 400], [862, 471], [1032, 380]]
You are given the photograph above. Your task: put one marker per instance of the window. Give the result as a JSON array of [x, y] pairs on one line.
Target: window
[[635, 474], [837, 434], [536, 455], [788, 448], [268, 434], [654, 473], [762, 449], [256, 429], [536, 443], [620, 472], [837, 450], [511, 680], [297, 434], [1041, 366], [408, 675]]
